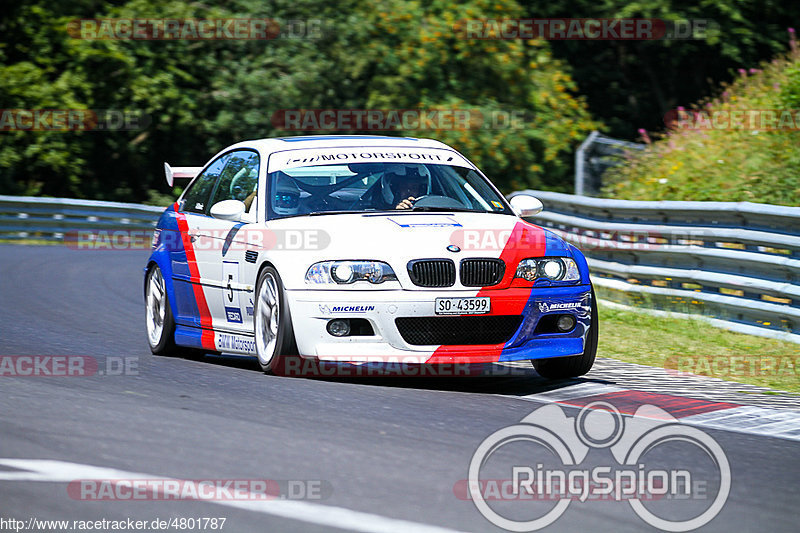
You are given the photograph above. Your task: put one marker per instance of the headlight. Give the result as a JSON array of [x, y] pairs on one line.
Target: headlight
[[347, 272], [552, 268]]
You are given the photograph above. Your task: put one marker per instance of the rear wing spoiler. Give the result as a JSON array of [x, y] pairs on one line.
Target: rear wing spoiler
[[180, 172]]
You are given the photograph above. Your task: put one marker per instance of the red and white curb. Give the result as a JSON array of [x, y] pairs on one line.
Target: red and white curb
[[726, 416]]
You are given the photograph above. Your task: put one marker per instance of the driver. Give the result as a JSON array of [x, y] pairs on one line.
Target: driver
[[243, 186], [402, 185], [286, 198]]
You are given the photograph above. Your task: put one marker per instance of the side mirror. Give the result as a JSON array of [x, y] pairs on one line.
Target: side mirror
[[526, 205], [228, 210]]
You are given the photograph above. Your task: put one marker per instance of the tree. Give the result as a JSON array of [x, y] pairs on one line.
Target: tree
[[198, 96], [633, 84]]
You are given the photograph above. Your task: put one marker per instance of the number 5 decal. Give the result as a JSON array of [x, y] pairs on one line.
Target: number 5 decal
[[230, 299]]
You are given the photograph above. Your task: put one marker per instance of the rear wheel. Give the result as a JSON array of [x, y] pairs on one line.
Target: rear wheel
[[272, 322], [574, 366]]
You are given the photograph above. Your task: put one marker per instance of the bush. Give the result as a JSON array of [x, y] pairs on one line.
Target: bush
[[697, 160]]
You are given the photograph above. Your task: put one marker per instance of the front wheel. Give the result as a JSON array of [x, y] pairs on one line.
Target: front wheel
[[272, 323], [159, 319], [578, 365]]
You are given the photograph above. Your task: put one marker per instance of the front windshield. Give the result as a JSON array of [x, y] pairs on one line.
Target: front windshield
[[367, 187]]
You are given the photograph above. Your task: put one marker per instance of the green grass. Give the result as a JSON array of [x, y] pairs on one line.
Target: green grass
[[694, 346]]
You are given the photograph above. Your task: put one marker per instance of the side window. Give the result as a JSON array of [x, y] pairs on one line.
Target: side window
[[195, 199], [239, 179]]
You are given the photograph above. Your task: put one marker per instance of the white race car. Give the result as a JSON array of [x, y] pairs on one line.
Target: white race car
[[363, 248]]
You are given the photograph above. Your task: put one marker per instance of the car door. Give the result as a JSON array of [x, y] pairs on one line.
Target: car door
[[230, 287], [188, 271]]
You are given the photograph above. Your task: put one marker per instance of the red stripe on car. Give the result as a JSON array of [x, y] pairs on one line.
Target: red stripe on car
[[526, 240], [207, 336]]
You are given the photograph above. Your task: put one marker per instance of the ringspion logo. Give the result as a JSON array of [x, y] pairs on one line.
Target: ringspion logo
[[649, 469]]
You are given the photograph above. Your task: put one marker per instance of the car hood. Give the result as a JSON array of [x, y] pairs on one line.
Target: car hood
[[397, 238]]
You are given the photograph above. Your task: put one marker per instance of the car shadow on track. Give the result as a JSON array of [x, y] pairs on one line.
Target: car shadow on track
[[515, 379]]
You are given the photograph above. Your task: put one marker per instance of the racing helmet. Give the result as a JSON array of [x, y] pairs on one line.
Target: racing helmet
[[285, 197], [396, 174]]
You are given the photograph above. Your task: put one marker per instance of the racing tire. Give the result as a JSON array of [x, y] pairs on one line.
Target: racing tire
[[272, 323], [158, 314], [577, 365]]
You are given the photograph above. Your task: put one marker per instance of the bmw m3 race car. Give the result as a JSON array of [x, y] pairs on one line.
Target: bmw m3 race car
[[363, 248]]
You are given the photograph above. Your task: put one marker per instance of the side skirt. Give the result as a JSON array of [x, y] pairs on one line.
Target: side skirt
[[216, 341]]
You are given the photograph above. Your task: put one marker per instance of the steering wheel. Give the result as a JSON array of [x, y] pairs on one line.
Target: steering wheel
[[435, 200], [319, 203]]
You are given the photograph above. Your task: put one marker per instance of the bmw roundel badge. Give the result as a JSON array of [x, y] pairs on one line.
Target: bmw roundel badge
[[453, 248]]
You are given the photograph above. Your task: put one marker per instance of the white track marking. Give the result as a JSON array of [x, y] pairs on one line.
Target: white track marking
[[754, 420], [581, 390], [762, 421], [302, 511], [60, 471]]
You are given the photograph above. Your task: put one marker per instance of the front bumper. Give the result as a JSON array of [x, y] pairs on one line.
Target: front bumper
[[311, 311]]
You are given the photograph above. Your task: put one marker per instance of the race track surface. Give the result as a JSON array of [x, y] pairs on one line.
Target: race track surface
[[387, 454]]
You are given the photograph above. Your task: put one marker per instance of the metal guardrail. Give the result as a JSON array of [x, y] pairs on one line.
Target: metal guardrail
[[738, 262], [594, 156], [59, 219]]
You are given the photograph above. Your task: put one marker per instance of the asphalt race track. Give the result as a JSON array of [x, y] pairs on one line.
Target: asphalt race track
[[368, 454]]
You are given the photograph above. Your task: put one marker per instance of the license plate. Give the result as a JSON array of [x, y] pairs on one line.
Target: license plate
[[463, 306]]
